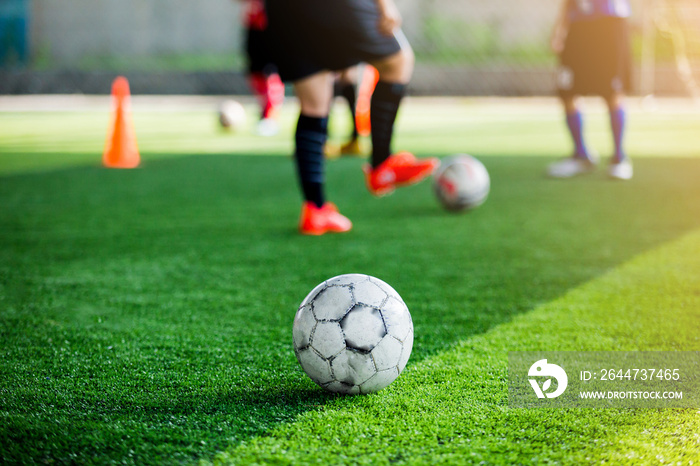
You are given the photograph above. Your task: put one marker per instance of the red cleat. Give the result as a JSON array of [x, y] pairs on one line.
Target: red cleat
[[401, 169], [317, 221]]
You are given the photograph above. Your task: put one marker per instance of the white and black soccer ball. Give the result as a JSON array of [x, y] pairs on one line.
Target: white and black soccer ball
[[461, 182], [232, 115], [353, 334]]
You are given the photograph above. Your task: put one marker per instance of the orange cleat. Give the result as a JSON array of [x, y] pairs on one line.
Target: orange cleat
[[401, 169], [317, 221]]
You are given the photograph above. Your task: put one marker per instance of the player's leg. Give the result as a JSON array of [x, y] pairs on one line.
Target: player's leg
[[619, 82], [618, 120], [574, 123], [582, 160], [264, 80], [578, 75], [395, 73], [388, 171], [269, 90], [620, 165], [312, 128], [367, 81], [299, 37], [345, 87], [315, 93], [256, 77]]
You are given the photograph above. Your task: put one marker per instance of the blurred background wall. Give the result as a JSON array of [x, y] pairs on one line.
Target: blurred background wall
[[463, 47]]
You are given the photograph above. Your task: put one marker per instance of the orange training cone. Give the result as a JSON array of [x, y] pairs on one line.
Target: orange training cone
[[368, 81], [121, 150]]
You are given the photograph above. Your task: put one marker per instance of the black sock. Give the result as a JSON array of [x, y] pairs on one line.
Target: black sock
[[383, 109], [310, 138], [347, 90]]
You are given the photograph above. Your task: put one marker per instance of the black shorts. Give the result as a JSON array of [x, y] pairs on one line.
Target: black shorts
[[315, 35], [597, 58], [259, 52]]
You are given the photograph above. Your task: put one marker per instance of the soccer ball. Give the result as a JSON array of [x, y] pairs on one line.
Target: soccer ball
[[353, 334], [232, 115], [461, 183]]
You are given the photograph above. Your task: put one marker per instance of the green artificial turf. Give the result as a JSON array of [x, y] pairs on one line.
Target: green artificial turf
[[146, 314], [452, 408]]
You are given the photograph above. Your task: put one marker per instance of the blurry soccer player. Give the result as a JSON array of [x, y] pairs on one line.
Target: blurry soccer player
[[344, 86], [591, 38], [355, 85], [314, 38], [263, 78]]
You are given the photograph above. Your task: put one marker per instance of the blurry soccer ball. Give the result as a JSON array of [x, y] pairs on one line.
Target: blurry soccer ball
[[461, 183], [353, 334], [232, 115]]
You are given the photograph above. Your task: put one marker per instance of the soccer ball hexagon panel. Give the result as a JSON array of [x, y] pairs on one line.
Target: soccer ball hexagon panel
[[353, 334]]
